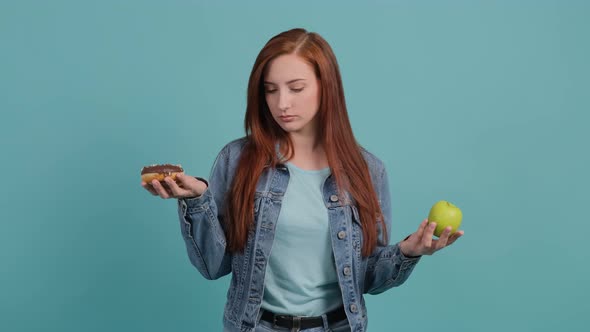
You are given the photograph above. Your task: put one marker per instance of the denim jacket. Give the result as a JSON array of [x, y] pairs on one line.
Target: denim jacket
[[201, 219]]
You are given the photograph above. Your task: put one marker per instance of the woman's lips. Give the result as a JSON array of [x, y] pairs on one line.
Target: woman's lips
[[287, 118]]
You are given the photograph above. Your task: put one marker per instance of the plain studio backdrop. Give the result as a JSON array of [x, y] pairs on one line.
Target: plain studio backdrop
[[482, 103]]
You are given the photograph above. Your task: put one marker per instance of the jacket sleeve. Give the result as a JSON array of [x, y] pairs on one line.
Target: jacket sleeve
[[201, 220], [387, 266]]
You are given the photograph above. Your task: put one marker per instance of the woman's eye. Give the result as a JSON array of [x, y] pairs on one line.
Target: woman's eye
[[270, 91]]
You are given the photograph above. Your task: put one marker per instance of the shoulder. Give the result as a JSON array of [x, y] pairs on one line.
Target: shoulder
[[375, 164], [234, 147], [229, 155], [227, 158]]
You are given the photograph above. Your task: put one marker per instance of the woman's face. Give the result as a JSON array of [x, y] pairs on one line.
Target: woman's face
[[292, 94]]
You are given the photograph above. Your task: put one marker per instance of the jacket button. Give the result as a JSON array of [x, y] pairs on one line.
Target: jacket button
[[353, 308], [334, 198], [341, 235], [346, 271]]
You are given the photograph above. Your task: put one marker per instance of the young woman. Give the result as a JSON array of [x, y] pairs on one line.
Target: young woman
[[296, 210]]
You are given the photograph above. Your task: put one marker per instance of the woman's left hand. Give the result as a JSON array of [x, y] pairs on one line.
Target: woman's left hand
[[421, 242]]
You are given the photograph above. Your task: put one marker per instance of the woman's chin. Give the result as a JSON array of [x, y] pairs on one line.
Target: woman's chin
[[290, 128]]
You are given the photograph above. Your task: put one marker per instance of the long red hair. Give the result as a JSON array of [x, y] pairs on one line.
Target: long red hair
[[334, 132]]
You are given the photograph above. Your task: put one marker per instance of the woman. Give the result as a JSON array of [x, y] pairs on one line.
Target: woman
[[296, 210]]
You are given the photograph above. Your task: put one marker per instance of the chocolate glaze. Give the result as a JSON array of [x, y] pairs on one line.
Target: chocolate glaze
[[163, 168]]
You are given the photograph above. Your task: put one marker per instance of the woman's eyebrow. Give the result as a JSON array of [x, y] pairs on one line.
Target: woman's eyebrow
[[291, 81]]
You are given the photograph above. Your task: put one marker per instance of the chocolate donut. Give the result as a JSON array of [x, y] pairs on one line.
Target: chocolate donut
[[159, 172]]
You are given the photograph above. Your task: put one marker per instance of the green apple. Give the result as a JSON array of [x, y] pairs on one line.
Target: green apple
[[445, 214]]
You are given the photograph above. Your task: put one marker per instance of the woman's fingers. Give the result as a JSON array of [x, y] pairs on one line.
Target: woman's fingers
[[182, 180], [149, 188], [174, 188], [455, 236], [443, 239], [421, 228], [160, 189], [193, 187], [186, 184], [168, 188], [427, 236], [422, 243]]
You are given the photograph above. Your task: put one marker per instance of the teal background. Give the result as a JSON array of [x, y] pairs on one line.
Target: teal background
[[482, 103]]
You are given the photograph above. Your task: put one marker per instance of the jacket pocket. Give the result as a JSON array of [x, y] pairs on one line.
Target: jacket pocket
[[357, 234], [355, 215], [257, 203]]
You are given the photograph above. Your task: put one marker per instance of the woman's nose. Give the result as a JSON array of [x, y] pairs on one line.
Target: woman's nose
[[284, 101]]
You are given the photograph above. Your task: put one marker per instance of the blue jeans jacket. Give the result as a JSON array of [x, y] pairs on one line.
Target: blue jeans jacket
[[200, 222]]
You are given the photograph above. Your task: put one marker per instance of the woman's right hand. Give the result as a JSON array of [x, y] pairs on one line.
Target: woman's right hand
[[190, 187]]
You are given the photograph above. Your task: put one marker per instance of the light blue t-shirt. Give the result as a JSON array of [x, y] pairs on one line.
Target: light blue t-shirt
[[301, 276]]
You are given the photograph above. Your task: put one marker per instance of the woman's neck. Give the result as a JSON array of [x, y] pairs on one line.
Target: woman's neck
[[308, 153]]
